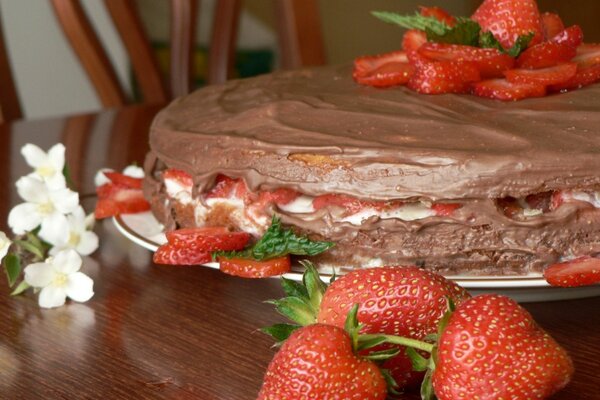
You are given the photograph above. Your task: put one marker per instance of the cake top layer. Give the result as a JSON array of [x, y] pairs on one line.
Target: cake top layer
[[319, 132]]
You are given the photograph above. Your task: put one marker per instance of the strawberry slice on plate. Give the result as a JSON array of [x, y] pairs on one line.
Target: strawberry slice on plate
[[572, 36], [501, 89], [413, 39], [490, 62], [582, 271], [114, 199], [583, 77], [246, 268], [439, 77], [545, 76], [383, 70], [546, 54], [208, 239], [174, 255], [124, 180], [588, 55], [552, 25]]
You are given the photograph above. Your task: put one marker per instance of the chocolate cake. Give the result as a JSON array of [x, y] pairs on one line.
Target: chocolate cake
[[452, 183]]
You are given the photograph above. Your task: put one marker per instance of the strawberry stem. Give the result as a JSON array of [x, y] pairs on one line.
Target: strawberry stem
[[402, 341]]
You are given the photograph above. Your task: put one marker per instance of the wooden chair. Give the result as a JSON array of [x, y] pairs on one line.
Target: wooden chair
[[299, 32]]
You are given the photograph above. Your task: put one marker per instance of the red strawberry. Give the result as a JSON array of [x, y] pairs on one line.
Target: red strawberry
[[174, 255], [544, 76], [413, 39], [492, 348], [588, 55], [182, 177], [438, 77], [351, 204], [509, 19], [383, 70], [445, 209], [404, 301], [208, 239], [581, 271], [583, 77], [124, 180], [438, 13], [572, 36], [501, 89], [490, 62], [116, 199], [281, 196], [227, 188], [552, 25], [246, 268], [546, 54], [317, 362]]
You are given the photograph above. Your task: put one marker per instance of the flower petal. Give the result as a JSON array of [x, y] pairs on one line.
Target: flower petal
[[52, 296], [88, 243], [100, 179], [39, 274], [56, 181], [5, 243], [66, 261], [134, 171], [64, 200], [55, 229], [56, 156], [24, 217], [80, 287], [34, 156], [77, 219], [32, 190]]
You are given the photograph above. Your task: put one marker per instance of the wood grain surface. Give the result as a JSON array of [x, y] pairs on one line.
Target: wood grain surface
[[165, 332]]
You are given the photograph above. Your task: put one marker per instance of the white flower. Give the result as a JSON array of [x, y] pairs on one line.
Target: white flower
[[47, 166], [58, 278], [4, 245], [78, 238], [43, 206], [133, 170]]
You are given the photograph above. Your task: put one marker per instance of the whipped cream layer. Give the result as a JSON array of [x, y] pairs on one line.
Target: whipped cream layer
[[317, 132]]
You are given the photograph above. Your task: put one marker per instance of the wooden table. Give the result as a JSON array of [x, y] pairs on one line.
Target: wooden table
[[162, 332]]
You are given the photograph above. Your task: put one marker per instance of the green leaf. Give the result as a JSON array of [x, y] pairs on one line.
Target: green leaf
[[23, 286], [487, 40], [352, 326], [465, 32], [427, 392], [419, 363], [280, 332], [382, 355], [293, 288], [295, 309], [27, 246], [416, 21], [12, 266], [392, 385], [369, 342], [314, 285], [68, 179]]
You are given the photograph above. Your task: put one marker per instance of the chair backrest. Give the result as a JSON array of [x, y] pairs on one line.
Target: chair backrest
[[299, 32]]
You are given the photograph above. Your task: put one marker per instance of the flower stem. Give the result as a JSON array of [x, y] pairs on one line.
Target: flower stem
[[402, 341]]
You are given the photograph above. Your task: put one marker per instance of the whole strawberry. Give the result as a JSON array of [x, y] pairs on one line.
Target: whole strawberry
[[509, 19], [318, 362], [491, 348]]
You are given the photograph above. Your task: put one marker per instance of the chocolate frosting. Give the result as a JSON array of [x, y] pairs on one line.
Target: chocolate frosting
[[318, 132]]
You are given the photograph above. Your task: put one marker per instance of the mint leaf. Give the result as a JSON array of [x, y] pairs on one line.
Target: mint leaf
[[487, 40], [278, 242], [465, 32], [416, 21], [12, 267]]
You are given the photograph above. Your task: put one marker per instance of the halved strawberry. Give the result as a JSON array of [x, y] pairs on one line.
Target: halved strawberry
[[438, 77], [582, 271], [182, 177], [545, 76], [351, 204], [383, 70], [588, 55], [227, 188], [490, 62], [254, 269], [208, 239], [509, 19], [546, 54], [572, 36], [438, 13], [125, 180], [583, 77], [413, 39], [552, 25], [174, 255], [501, 89], [445, 209], [116, 199]]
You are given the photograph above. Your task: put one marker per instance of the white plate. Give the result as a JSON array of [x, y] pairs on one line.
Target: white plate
[[144, 230]]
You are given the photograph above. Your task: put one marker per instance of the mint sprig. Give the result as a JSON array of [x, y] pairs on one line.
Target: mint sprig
[[278, 242], [466, 32], [416, 21], [487, 40]]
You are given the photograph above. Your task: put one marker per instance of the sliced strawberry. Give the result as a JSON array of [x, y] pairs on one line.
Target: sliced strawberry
[[173, 255], [116, 199], [546, 54], [438, 13], [509, 19], [501, 89], [544, 76], [583, 77], [552, 25], [208, 239], [227, 188], [572, 36], [125, 180], [254, 269], [440, 77], [588, 55], [490, 62], [540, 201], [445, 209], [351, 204], [182, 177], [413, 39], [383, 70], [582, 271], [281, 196]]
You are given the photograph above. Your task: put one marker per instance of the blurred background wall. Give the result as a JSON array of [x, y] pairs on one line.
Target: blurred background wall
[[51, 82]]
